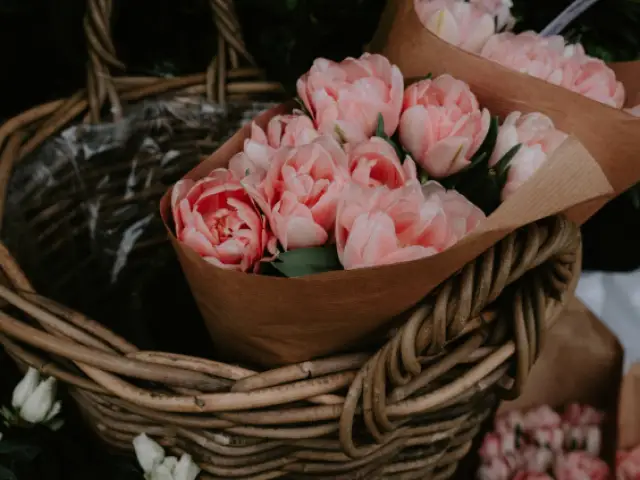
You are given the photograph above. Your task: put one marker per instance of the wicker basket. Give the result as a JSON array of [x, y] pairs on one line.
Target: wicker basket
[[411, 410]]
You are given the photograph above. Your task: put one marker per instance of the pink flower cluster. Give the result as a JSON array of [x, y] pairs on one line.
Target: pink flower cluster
[[332, 174], [542, 444], [471, 26], [628, 464]]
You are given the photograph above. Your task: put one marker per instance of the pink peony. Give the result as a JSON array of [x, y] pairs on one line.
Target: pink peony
[[578, 465], [591, 77], [550, 59], [300, 190], [346, 98], [442, 91], [541, 417], [216, 218], [380, 226], [375, 162], [442, 126], [500, 10], [462, 215], [538, 138], [286, 131], [463, 24]]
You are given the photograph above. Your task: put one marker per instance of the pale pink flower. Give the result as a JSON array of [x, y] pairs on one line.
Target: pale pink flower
[[442, 126], [541, 417], [299, 192], [375, 162], [459, 23], [216, 218], [346, 98], [580, 465], [538, 138], [381, 226], [286, 131], [500, 10], [551, 59]]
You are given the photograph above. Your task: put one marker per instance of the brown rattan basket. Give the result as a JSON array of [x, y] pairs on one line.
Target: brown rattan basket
[[409, 410]]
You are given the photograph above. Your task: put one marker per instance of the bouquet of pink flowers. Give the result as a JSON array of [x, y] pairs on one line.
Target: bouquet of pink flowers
[[542, 444], [529, 72], [366, 173], [364, 198]]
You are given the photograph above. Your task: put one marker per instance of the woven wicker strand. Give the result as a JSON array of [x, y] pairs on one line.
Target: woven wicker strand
[[408, 411]]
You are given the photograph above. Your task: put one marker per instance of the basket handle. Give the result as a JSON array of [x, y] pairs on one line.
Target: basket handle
[[224, 67]]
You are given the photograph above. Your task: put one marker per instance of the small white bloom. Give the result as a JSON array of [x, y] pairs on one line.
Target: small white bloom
[[160, 472], [25, 388], [186, 468], [148, 452], [40, 403]]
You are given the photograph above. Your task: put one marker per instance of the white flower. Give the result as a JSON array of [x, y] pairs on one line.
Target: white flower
[[186, 469], [41, 405], [34, 398], [148, 452], [156, 466], [25, 388]]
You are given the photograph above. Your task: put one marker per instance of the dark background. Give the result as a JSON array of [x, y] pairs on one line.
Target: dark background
[[43, 57]]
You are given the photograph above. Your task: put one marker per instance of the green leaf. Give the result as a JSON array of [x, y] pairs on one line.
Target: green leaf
[[380, 127], [428, 76], [6, 474], [307, 261], [502, 167], [291, 4], [488, 145]]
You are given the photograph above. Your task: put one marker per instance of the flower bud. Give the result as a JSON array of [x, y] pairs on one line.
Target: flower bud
[[40, 403], [148, 452], [186, 468], [25, 388]]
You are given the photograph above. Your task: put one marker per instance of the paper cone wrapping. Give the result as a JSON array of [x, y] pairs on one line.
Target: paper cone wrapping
[[273, 321], [612, 136]]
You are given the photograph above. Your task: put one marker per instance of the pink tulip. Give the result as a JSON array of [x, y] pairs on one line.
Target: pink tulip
[[381, 226], [346, 98], [299, 192], [539, 139], [442, 91], [500, 10], [442, 126], [459, 23], [375, 162], [550, 59], [286, 131], [462, 215], [216, 218]]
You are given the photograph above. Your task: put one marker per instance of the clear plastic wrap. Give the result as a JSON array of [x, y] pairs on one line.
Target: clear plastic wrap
[[82, 212]]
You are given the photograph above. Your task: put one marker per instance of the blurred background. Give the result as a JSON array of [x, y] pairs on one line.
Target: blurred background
[[43, 54]]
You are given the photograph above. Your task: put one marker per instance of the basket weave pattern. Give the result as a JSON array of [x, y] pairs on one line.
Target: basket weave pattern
[[408, 411]]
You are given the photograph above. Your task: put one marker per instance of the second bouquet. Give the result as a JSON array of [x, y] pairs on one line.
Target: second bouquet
[[318, 225]]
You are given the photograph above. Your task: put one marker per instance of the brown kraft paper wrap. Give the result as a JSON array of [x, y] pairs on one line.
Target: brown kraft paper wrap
[[611, 136], [581, 361], [275, 321], [629, 420]]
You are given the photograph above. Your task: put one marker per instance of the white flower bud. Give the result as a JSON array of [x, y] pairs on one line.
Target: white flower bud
[[25, 388], [148, 452], [186, 469], [160, 472], [170, 463], [37, 407]]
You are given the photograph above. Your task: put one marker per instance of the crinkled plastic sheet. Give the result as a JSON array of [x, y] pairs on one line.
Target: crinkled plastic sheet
[[82, 213]]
